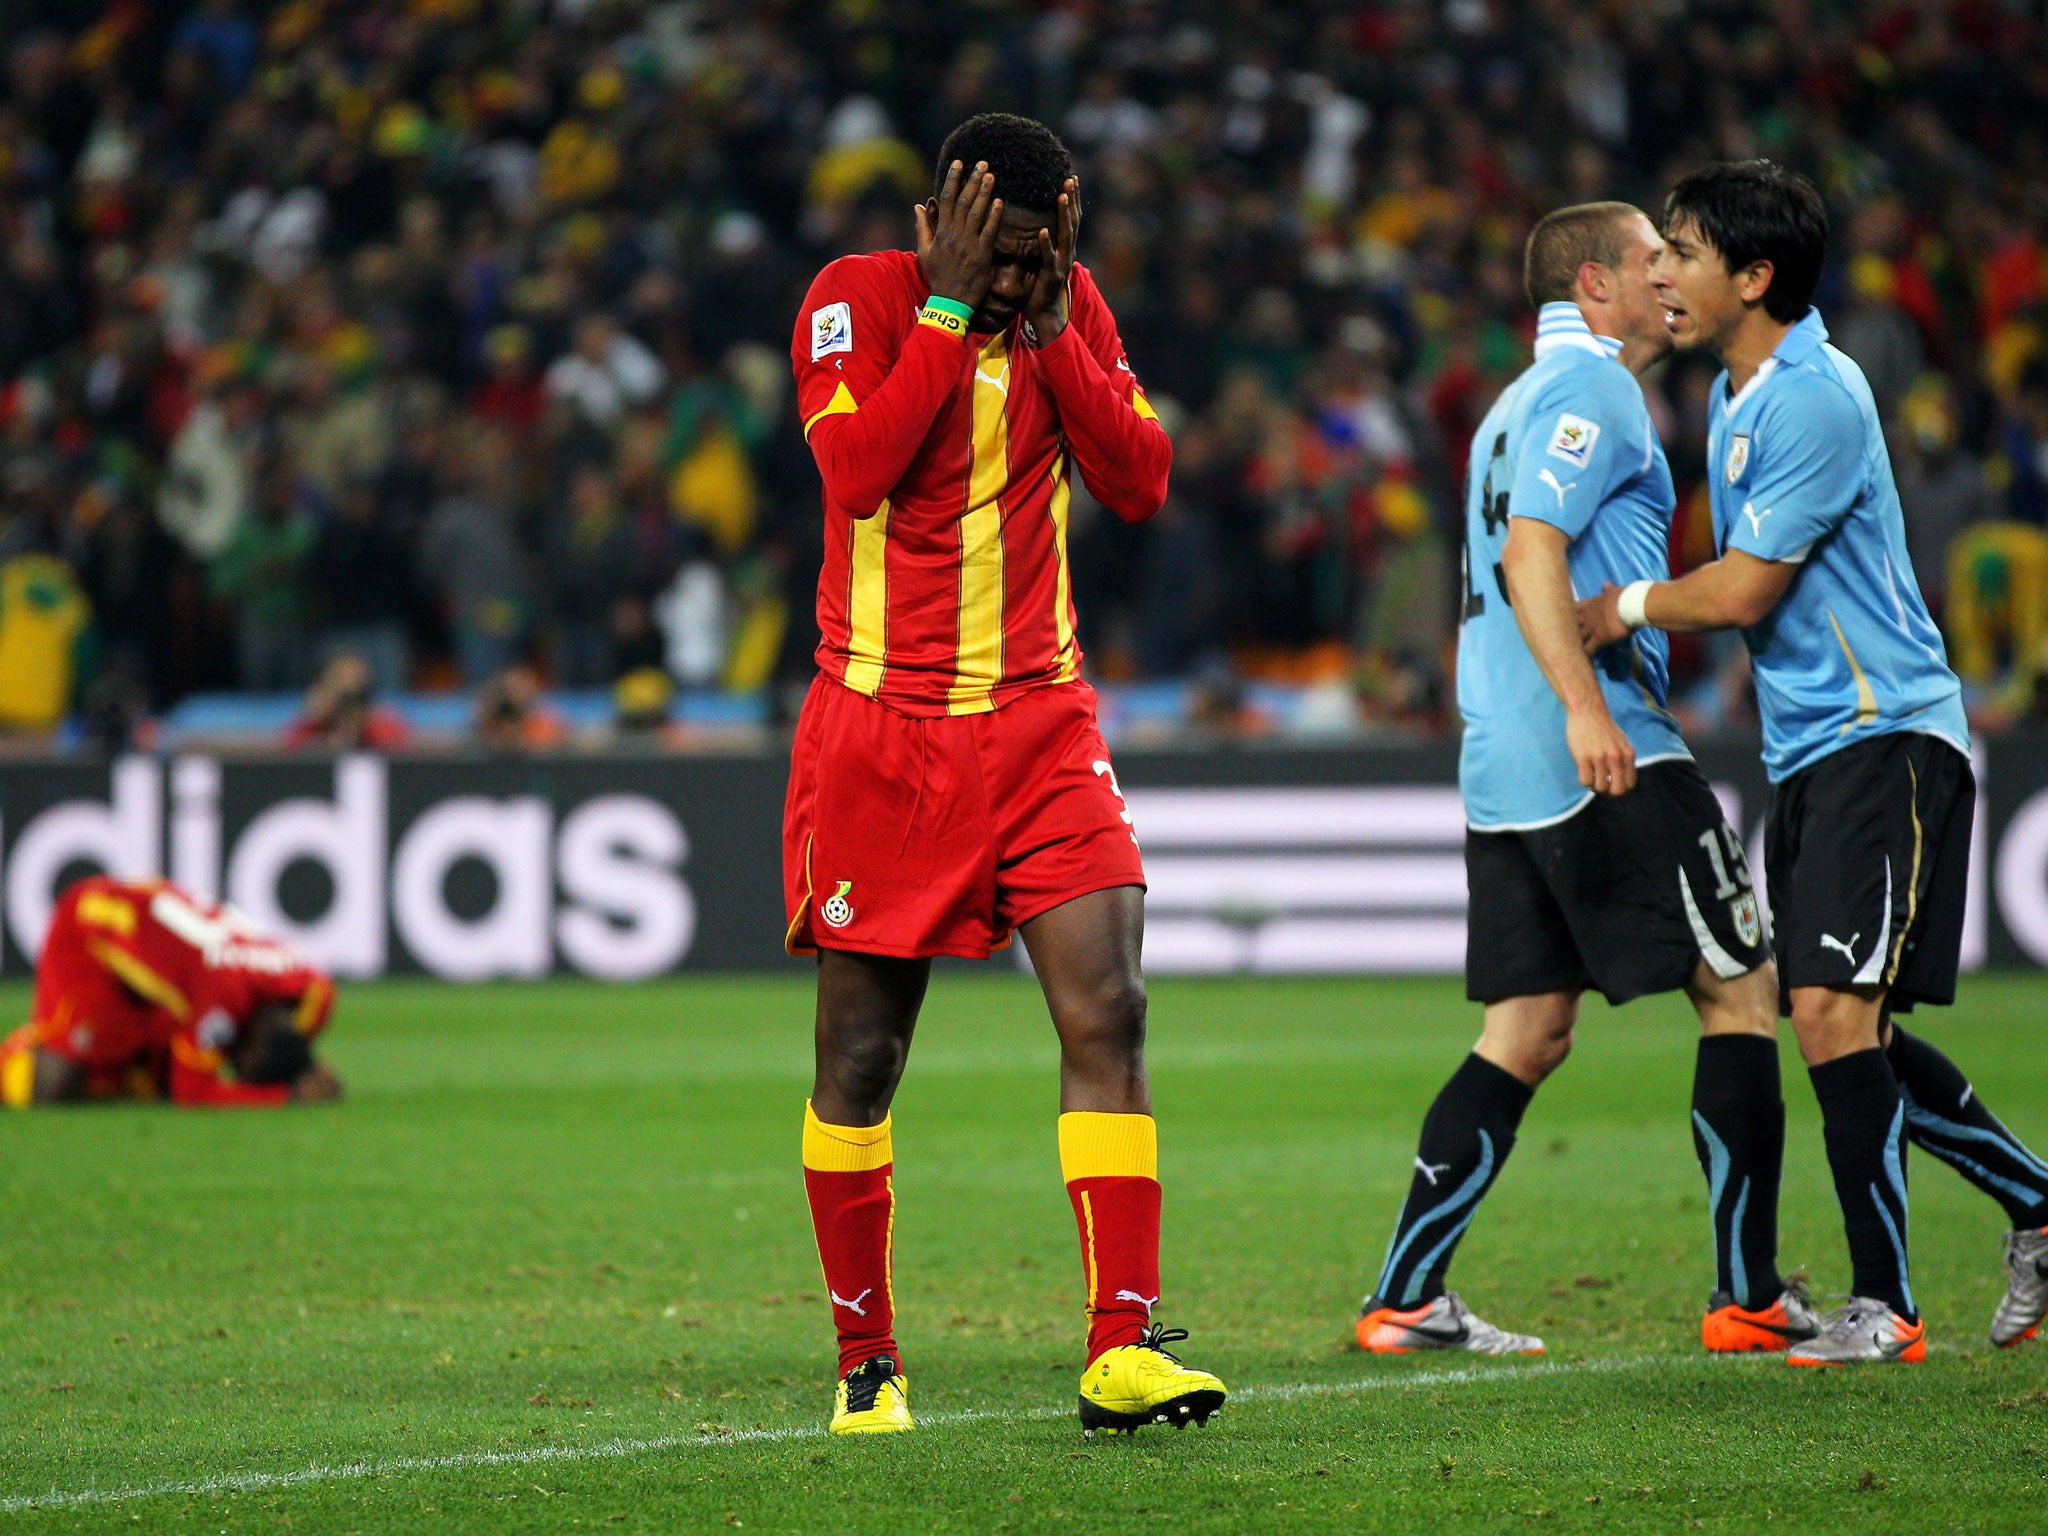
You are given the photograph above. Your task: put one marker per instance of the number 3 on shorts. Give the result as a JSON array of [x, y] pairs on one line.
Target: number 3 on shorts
[[1103, 770]]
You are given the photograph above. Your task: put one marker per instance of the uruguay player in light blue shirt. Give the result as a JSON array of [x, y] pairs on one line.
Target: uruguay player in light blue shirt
[[1596, 855], [1865, 740], [1569, 439]]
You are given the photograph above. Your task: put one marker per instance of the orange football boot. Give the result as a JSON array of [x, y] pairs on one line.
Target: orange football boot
[[1789, 1319]]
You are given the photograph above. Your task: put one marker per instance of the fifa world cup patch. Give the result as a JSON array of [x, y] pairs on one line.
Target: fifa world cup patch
[[837, 911], [1738, 456], [1574, 439], [831, 330]]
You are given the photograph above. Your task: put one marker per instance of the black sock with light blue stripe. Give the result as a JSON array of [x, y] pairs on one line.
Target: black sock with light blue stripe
[[1466, 1137], [1863, 1116], [1944, 1116], [1738, 1130]]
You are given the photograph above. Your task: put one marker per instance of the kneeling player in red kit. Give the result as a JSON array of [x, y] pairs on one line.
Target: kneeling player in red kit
[[949, 783], [143, 991]]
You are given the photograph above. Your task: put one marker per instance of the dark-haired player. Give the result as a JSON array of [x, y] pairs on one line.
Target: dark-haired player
[[1865, 741], [948, 782], [1596, 852], [143, 991]]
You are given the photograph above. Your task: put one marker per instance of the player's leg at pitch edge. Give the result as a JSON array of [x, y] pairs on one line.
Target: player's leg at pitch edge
[[1466, 1138], [2025, 1302], [1946, 1116], [848, 1177], [1738, 1117], [1111, 1166]]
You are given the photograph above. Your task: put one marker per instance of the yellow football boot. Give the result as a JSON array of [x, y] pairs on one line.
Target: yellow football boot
[[873, 1399], [1136, 1384]]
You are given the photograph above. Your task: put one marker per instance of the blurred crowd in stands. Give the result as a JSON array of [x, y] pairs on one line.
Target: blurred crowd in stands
[[380, 345]]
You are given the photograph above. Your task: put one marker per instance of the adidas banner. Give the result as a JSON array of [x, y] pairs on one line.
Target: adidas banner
[[1345, 860]]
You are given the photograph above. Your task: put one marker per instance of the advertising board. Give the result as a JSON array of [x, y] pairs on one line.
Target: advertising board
[[1343, 860]]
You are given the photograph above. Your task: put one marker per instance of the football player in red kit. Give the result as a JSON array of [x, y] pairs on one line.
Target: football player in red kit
[[143, 991], [948, 783]]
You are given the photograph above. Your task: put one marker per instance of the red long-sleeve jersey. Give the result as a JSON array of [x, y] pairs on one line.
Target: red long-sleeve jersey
[[947, 464], [148, 988]]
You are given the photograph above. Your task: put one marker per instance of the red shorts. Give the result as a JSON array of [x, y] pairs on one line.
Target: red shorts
[[918, 837]]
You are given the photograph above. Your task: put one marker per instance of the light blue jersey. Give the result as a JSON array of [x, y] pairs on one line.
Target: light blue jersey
[[1797, 471], [1570, 443]]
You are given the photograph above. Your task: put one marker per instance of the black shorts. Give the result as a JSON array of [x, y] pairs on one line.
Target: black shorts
[[1626, 895], [1868, 858]]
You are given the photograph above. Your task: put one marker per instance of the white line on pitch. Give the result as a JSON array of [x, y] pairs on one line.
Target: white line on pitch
[[612, 1450]]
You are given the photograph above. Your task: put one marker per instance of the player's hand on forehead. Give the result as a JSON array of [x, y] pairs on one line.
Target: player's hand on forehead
[[1069, 234], [1045, 305], [956, 234]]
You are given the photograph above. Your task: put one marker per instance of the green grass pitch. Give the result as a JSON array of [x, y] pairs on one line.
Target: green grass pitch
[[549, 1268]]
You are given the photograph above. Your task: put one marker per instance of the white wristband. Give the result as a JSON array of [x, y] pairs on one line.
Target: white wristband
[[1630, 604]]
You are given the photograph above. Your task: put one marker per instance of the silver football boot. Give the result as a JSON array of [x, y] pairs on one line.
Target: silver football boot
[[1445, 1323], [1863, 1331], [2019, 1315]]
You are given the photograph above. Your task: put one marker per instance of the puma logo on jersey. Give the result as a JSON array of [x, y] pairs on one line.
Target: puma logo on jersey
[[1430, 1170], [1756, 518], [854, 1306], [1829, 941], [1000, 380], [1551, 480], [1144, 1301]]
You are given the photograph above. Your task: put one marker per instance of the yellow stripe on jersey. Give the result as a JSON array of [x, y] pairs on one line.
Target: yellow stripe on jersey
[[867, 603], [842, 403], [979, 665], [1066, 660], [103, 909], [1138, 403], [312, 1004], [1866, 701], [140, 979]]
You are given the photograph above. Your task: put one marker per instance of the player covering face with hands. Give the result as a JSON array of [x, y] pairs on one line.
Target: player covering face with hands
[[1596, 853], [144, 990], [948, 782], [1865, 740]]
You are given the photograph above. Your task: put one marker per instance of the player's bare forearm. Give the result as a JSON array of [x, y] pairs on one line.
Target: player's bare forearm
[[1124, 456], [863, 454], [1737, 591], [1540, 595]]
